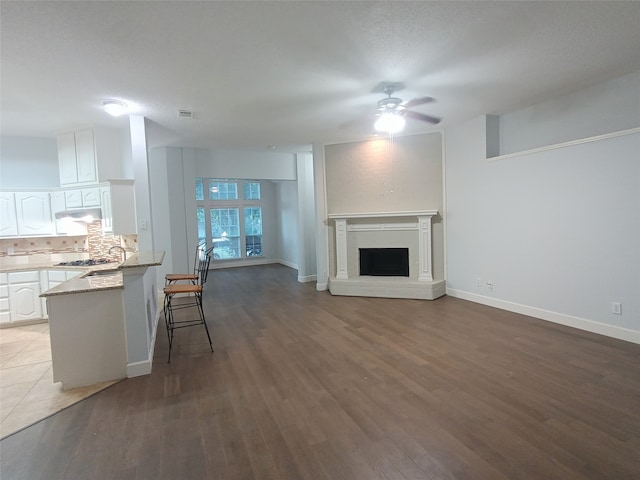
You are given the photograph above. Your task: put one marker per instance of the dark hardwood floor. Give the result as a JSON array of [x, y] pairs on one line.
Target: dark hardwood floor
[[304, 385]]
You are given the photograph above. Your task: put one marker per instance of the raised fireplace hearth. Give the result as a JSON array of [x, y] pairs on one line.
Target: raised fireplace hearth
[[390, 232]]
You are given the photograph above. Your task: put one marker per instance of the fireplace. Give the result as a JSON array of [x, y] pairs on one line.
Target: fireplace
[[384, 262], [384, 254]]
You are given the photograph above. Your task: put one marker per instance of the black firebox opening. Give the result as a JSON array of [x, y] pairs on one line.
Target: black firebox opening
[[384, 262]]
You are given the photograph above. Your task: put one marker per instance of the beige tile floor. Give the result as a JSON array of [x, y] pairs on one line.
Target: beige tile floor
[[27, 391]]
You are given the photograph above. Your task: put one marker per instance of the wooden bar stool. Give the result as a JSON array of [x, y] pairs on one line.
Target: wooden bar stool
[[178, 296], [191, 277]]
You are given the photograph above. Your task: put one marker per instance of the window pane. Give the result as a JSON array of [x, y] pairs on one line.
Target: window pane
[[253, 231], [251, 190], [202, 229], [199, 191], [225, 232], [222, 190]]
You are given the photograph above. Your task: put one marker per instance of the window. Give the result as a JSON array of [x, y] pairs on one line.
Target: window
[[220, 223]]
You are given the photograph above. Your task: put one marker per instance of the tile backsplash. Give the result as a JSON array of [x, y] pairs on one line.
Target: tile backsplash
[[95, 244], [36, 245]]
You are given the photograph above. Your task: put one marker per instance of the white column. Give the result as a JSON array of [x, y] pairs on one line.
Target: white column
[[137, 125], [424, 242], [341, 249]]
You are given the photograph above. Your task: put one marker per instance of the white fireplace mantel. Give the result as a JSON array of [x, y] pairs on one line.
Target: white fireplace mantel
[[422, 224], [410, 213]]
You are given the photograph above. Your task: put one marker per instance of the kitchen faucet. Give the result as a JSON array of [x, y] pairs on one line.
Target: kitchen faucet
[[124, 252]]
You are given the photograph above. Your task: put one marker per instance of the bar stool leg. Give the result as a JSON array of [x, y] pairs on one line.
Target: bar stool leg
[[168, 320], [204, 321]]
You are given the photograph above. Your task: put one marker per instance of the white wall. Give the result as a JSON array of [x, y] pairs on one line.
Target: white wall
[[604, 108], [557, 231], [307, 258], [28, 162], [287, 206], [245, 164]]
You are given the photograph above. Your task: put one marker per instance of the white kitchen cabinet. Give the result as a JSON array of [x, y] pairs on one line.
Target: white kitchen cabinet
[[73, 198], [91, 197], [8, 215], [5, 313], [107, 214], [53, 278], [89, 155], [24, 296], [77, 157], [58, 201], [82, 197], [34, 213]]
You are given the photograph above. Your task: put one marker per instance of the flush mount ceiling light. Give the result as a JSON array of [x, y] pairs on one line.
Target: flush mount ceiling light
[[114, 107], [390, 123]]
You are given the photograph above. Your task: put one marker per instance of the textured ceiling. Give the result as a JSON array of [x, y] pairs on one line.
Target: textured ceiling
[[294, 73]]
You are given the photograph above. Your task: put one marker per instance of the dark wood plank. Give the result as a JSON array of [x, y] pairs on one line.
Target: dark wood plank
[[304, 385]]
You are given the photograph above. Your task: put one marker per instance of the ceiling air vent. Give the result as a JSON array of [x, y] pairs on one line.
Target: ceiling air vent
[[185, 114]]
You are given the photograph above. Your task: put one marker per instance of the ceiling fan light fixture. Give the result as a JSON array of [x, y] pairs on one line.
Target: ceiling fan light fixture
[[390, 123], [114, 107]]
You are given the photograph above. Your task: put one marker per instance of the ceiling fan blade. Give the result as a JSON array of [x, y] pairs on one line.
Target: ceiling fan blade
[[418, 101], [422, 116]]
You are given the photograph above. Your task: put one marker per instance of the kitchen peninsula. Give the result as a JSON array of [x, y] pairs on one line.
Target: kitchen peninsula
[[103, 324]]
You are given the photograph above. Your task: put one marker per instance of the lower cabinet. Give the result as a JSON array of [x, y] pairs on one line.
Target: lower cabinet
[[24, 296], [20, 293], [53, 278], [5, 314]]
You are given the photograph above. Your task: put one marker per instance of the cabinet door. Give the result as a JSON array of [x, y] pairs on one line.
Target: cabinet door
[[5, 314], [34, 213], [58, 201], [67, 159], [91, 197], [105, 200], [8, 218], [24, 301], [86, 156], [73, 198]]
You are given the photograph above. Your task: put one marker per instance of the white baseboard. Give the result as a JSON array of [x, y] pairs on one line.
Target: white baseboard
[[288, 264], [306, 279], [321, 287], [620, 333], [138, 369]]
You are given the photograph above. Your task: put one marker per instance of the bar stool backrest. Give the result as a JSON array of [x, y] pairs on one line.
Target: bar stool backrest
[[203, 267], [200, 251]]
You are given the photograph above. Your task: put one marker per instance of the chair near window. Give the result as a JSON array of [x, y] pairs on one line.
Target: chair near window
[[190, 277], [179, 296]]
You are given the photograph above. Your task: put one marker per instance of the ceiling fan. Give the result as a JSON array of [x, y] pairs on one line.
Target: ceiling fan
[[391, 111]]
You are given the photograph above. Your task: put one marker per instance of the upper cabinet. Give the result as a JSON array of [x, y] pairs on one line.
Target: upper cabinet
[[88, 155], [77, 157], [8, 215], [34, 213]]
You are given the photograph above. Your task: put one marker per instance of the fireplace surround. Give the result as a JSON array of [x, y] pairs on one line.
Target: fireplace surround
[[399, 229]]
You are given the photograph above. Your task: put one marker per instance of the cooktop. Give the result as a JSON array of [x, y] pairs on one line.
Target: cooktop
[[85, 263]]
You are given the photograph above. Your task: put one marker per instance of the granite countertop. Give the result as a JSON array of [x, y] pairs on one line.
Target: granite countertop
[[90, 282], [106, 276], [42, 261], [143, 259]]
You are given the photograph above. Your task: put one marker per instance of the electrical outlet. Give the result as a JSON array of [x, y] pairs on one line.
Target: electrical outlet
[[478, 282], [616, 308]]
